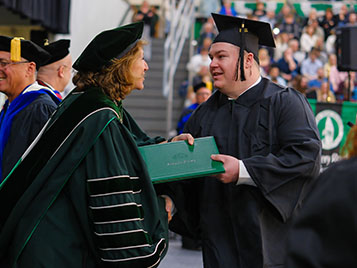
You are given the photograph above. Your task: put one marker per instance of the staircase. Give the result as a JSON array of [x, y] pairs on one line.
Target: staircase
[[148, 106]]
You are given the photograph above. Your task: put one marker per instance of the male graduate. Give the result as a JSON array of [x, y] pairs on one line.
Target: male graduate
[[270, 148], [56, 73], [29, 105]]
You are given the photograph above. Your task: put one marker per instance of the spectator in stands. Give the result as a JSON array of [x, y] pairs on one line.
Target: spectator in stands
[[321, 51], [199, 60], [284, 11], [328, 22], [202, 93], [299, 55], [310, 17], [299, 82], [318, 30], [264, 61], [317, 82], [203, 75], [310, 65], [269, 17], [344, 93], [352, 19], [288, 66], [208, 31], [259, 10], [342, 17], [308, 39], [274, 75], [330, 44], [333, 74], [324, 93], [228, 9], [281, 43], [290, 26], [146, 15]]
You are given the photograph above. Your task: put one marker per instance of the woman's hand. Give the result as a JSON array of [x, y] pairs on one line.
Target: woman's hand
[[184, 137]]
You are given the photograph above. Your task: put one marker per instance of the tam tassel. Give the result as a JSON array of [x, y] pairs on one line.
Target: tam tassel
[[15, 49]]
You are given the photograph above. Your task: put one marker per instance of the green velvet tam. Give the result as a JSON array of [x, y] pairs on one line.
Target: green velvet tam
[[108, 45], [29, 50]]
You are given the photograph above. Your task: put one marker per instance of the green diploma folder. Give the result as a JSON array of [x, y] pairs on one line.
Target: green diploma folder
[[178, 160]]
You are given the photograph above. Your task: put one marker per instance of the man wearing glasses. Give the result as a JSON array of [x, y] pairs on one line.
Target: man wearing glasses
[[57, 72], [28, 105]]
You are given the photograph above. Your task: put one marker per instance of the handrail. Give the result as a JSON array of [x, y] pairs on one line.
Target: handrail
[[127, 12], [181, 20]]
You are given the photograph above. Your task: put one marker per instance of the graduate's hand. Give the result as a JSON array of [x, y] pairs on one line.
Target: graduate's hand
[[231, 166], [184, 137]]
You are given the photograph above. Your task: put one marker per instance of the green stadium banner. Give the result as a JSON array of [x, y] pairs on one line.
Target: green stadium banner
[[331, 120]]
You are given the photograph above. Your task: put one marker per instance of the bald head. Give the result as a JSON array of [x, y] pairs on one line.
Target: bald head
[[56, 74]]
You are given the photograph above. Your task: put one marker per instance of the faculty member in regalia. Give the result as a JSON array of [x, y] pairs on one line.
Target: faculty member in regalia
[[270, 147], [28, 105], [81, 196]]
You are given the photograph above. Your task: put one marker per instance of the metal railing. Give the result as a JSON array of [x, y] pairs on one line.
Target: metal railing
[[181, 20]]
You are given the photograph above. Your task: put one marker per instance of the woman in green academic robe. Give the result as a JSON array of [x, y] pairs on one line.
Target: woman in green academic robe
[[81, 195]]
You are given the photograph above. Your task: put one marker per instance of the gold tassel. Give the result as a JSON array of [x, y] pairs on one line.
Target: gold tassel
[[15, 49], [46, 43]]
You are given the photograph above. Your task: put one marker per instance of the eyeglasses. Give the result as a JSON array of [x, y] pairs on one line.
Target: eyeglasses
[[4, 63], [66, 66]]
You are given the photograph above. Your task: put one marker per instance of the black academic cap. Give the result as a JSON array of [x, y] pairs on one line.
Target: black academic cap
[[19, 47], [244, 33], [198, 86], [58, 50], [108, 45]]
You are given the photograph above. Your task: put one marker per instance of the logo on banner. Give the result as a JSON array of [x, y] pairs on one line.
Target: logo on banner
[[330, 125]]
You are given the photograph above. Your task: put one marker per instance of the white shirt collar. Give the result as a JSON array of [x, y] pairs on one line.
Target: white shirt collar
[[256, 83]]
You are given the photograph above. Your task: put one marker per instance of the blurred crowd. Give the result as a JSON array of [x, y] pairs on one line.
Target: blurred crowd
[[305, 54]]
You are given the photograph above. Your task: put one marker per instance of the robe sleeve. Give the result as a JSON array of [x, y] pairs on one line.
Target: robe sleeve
[[119, 207], [294, 157], [137, 133]]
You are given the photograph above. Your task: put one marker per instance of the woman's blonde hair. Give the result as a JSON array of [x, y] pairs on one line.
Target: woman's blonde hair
[[115, 79], [349, 149]]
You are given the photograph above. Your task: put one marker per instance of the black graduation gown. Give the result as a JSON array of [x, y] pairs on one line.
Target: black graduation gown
[[273, 130], [324, 234]]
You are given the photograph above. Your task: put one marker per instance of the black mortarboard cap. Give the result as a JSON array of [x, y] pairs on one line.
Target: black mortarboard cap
[[108, 45], [19, 47], [58, 50], [244, 33]]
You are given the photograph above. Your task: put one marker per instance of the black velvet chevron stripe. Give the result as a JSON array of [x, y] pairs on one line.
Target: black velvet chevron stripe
[[113, 185], [117, 213], [124, 240], [140, 262]]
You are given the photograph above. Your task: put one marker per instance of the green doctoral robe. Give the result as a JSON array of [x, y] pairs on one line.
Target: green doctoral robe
[[81, 195]]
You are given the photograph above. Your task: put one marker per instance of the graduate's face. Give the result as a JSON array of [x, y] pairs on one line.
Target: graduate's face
[[138, 70], [223, 65], [13, 76]]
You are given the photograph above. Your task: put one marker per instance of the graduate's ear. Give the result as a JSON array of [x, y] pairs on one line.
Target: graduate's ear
[[249, 60]]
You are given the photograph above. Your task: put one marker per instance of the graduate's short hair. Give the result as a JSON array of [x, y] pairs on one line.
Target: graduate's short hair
[[115, 79]]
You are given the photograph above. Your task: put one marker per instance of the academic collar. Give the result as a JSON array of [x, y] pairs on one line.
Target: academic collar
[[256, 83]]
